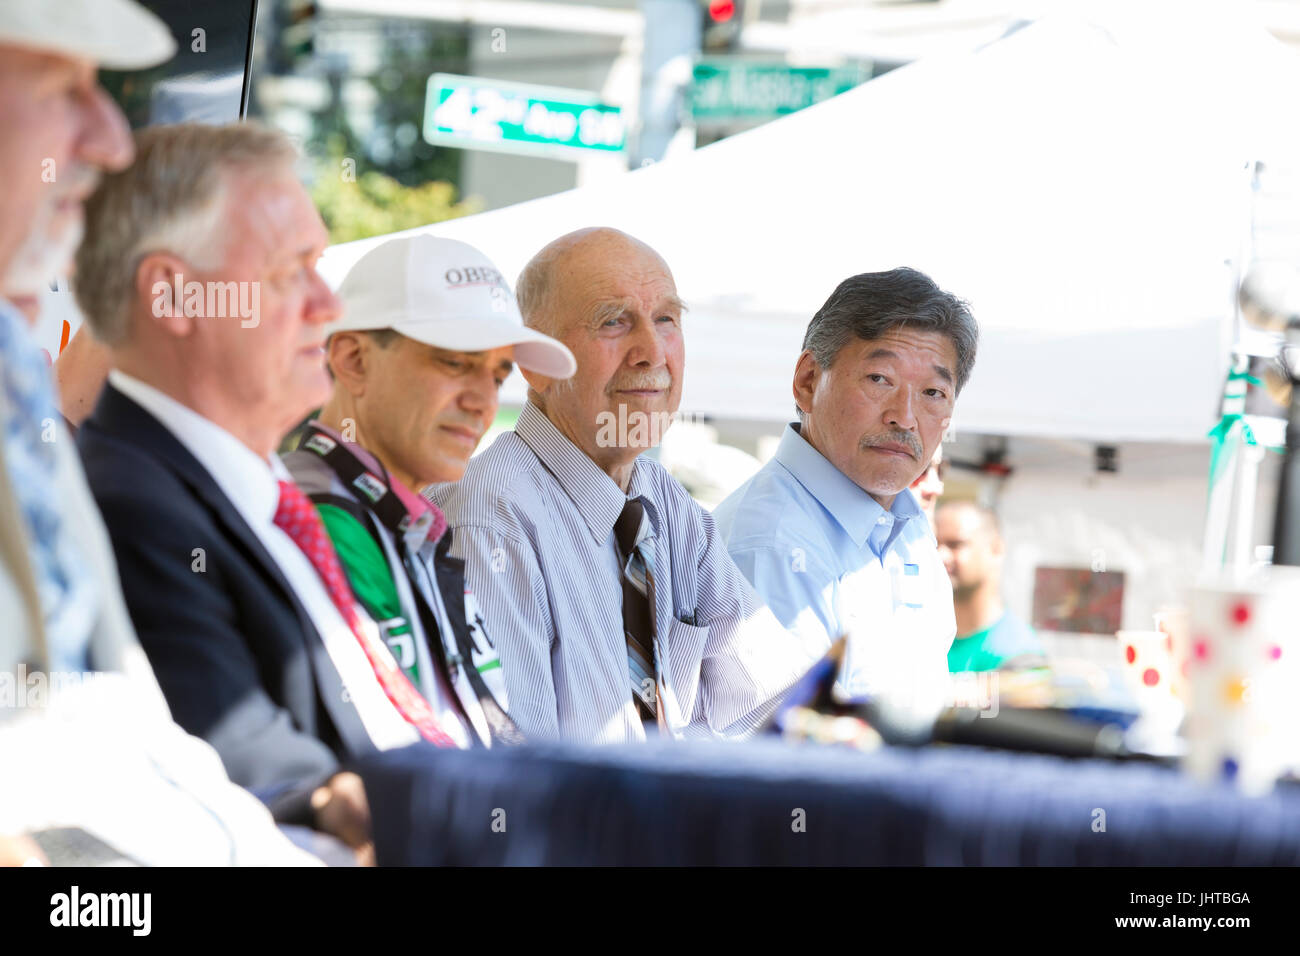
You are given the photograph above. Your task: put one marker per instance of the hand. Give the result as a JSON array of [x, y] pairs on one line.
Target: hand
[[20, 851], [80, 372], [341, 810]]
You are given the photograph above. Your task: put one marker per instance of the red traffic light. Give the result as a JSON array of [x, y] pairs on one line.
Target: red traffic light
[[720, 11]]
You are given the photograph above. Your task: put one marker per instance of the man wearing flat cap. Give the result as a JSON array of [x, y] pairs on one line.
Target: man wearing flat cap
[[94, 768]]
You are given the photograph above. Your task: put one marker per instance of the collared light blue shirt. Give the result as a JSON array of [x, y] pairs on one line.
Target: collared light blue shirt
[[829, 560]]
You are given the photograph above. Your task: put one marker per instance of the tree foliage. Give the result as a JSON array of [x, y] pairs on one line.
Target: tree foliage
[[372, 204]]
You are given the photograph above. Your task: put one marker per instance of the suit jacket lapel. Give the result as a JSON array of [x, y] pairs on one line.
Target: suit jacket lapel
[[119, 416]]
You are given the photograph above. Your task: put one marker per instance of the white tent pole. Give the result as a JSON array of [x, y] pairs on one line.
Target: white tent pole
[[1219, 510], [1247, 479], [1216, 521]]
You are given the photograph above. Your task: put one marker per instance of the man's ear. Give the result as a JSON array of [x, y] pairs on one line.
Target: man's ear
[[157, 278], [997, 547], [807, 373], [536, 380], [348, 354]]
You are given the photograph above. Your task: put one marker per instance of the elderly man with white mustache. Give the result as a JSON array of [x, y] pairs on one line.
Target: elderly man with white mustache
[[611, 596]]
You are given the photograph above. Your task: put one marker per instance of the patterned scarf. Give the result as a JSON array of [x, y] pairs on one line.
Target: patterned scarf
[[29, 426]]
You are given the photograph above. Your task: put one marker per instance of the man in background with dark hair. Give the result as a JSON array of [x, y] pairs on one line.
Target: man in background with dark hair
[[828, 531], [988, 636]]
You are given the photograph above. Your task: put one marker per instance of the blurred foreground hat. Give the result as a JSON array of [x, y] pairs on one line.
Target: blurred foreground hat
[[117, 34], [447, 294]]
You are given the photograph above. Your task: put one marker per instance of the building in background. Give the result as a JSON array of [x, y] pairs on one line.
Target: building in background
[[349, 79]]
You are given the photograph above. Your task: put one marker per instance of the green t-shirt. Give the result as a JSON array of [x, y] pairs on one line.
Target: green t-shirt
[[372, 583], [989, 649]]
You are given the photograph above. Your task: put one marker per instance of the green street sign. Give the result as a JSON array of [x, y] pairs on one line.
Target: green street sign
[[727, 89], [471, 112]]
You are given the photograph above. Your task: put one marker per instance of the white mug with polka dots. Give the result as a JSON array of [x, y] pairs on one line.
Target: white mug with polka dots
[[1241, 667], [1151, 670]]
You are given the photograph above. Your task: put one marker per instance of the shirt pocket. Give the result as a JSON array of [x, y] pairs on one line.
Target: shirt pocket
[[685, 652]]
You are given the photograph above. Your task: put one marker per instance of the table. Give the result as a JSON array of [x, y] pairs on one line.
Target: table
[[766, 802]]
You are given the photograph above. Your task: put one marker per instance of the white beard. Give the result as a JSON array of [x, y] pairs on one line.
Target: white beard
[[43, 256]]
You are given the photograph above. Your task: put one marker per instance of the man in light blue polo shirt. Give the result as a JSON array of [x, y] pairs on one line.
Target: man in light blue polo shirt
[[828, 531]]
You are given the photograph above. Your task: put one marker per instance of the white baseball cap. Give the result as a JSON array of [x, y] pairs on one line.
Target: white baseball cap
[[446, 294], [118, 34]]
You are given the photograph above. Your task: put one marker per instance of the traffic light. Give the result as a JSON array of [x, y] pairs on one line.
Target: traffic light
[[720, 25], [295, 26]]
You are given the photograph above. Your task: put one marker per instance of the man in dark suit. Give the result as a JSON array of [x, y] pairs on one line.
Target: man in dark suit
[[198, 271]]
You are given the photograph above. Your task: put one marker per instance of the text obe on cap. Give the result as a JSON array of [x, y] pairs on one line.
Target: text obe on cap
[[447, 294]]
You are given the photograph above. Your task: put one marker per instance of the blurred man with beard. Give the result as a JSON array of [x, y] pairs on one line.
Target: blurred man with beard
[[431, 333], [989, 636], [611, 598], [94, 769], [828, 531]]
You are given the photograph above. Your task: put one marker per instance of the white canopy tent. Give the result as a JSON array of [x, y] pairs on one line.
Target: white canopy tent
[[1083, 182]]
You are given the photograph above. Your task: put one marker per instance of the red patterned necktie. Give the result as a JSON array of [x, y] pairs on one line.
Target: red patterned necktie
[[297, 518]]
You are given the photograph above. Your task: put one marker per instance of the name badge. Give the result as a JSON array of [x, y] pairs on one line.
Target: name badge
[[485, 659]]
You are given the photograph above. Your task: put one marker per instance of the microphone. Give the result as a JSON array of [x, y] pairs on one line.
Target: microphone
[[1027, 730]]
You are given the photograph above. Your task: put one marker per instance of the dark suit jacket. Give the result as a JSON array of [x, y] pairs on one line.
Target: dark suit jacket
[[238, 658]]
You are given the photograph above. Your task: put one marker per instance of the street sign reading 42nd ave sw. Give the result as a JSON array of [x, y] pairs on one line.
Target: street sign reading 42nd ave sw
[[472, 112]]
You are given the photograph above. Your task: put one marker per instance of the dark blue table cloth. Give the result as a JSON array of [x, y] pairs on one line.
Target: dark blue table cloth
[[667, 803]]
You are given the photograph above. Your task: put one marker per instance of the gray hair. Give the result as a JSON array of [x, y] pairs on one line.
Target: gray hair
[[534, 288], [868, 305], [170, 199]]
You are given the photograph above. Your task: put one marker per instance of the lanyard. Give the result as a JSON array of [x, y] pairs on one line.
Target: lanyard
[[378, 498], [374, 491]]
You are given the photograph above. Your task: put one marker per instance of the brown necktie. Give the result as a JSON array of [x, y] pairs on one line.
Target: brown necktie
[[638, 606]]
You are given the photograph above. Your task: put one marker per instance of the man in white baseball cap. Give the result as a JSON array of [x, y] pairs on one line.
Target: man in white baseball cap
[[429, 334], [94, 770]]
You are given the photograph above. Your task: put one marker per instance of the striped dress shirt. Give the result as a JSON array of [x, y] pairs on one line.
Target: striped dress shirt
[[534, 522]]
